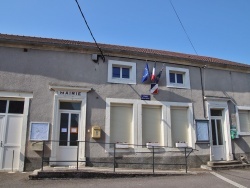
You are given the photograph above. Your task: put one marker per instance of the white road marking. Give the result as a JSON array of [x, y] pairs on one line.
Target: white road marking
[[227, 180]]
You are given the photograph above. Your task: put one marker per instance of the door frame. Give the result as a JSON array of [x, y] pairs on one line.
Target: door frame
[[68, 150], [220, 105], [26, 98], [215, 118], [69, 94]]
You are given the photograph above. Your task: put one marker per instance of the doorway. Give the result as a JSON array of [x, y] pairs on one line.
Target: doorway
[[11, 121], [69, 118], [217, 135]]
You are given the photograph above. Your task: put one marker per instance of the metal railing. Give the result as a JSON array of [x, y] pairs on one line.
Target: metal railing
[[153, 150]]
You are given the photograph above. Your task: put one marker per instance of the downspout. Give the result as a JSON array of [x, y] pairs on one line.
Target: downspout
[[203, 95]]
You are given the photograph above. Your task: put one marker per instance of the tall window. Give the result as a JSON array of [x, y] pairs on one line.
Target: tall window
[[151, 124], [121, 123], [179, 125], [146, 123]]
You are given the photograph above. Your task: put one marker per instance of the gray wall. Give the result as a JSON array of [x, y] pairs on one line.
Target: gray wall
[[35, 70]]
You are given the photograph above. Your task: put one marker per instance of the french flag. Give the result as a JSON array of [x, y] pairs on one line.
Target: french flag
[[153, 74]]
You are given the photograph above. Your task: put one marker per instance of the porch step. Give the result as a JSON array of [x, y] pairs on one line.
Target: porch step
[[224, 165]]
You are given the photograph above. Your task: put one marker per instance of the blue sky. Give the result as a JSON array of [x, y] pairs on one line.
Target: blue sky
[[217, 28]]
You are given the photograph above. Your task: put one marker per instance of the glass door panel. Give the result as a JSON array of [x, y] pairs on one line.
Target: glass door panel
[[214, 132], [219, 132], [74, 129], [64, 122], [68, 129]]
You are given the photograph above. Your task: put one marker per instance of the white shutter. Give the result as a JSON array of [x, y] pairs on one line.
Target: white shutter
[[179, 125], [151, 124], [244, 121], [121, 123]]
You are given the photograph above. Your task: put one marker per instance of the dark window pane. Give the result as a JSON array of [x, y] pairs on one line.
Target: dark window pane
[[125, 72], [214, 132], [70, 105], [3, 106], [216, 112], [172, 77], [64, 120], [74, 129], [179, 78], [16, 107], [219, 132], [116, 72]]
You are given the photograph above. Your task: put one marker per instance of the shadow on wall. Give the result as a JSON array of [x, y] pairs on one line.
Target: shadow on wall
[[170, 96], [242, 144]]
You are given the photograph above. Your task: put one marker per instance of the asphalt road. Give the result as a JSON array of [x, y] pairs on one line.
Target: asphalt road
[[230, 178]]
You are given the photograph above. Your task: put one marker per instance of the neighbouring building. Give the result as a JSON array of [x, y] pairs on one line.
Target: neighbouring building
[[62, 92]]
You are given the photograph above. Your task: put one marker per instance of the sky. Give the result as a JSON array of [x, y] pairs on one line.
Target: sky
[[216, 28]]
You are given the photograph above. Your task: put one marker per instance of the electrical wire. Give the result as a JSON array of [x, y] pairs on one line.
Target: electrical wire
[[102, 56], [183, 27]]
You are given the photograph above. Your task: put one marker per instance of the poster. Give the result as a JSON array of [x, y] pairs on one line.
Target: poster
[[39, 131], [202, 131]]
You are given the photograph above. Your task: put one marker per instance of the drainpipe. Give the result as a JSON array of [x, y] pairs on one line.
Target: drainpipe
[[202, 89]]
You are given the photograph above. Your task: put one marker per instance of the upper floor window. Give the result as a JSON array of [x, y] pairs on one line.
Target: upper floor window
[[121, 72], [178, 77]]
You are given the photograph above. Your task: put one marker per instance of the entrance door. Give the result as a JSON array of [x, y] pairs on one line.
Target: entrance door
[[11, 122], [218, 140], [68, 135]]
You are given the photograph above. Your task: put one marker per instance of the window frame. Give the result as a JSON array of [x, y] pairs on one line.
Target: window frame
[[239, 108], [185, 77], [7, 106], [122, 64], [166, 137]]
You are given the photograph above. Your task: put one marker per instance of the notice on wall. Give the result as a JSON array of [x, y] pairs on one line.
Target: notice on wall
[[202, 131], [63, 130], [39, 131], [73, 130]]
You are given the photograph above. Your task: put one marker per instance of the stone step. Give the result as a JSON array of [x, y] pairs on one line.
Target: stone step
[[226, 167], [223, 163]]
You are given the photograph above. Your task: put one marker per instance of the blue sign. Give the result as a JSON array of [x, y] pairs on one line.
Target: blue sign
[[145, 97]]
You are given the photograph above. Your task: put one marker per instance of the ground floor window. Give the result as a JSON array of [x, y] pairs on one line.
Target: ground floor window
[[141, 123], [121, 123], [151, 124], [179, 125]]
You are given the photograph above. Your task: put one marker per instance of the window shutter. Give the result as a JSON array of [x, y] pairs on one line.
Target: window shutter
[[121, 123], [151, 124], [179, 125]]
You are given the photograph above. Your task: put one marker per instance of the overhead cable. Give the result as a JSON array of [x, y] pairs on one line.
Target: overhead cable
[[102, 56], [183, 27]]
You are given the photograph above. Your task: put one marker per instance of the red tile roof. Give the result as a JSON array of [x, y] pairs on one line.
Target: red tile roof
[[50, 41]]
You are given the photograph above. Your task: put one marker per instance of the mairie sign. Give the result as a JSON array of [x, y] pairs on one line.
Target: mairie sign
[[72, 93]]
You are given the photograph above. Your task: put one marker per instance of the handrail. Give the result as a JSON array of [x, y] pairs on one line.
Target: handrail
[[186, 155]]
